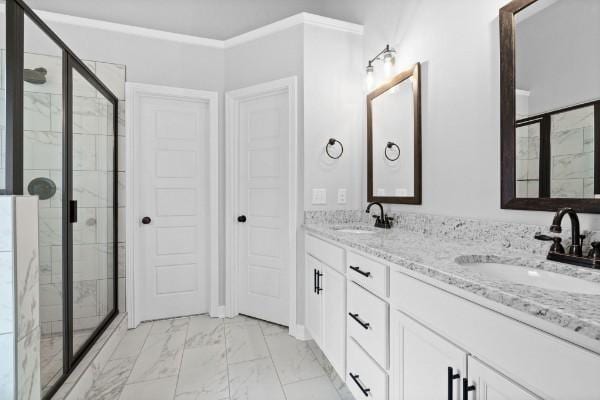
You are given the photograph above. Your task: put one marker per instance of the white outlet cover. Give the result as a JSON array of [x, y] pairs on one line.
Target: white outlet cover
[[341, 196], [319, 196]]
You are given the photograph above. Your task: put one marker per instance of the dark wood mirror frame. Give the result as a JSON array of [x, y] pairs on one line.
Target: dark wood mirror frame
[[415, 73], [508, 127]]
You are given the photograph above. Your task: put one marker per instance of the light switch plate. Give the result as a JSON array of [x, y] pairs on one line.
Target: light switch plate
[[319, 196], [341, 198]]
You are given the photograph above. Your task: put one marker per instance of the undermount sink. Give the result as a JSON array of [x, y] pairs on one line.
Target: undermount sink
[[532, 277], [359, 231]]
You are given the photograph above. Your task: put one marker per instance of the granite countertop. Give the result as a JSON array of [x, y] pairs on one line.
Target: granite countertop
[[436, 258]]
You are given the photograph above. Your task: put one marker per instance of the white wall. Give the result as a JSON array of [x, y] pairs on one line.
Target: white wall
[[558, 55], [333, 108], [458, 45]]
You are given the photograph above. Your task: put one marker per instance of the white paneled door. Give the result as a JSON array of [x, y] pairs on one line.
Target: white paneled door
[[261, 203], [175, 210]]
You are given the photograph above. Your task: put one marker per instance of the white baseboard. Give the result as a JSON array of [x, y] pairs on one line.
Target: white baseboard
[[218, 312], [300, 333]]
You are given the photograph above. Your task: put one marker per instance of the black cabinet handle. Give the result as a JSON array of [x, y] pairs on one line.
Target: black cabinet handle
[[319, 288], [451, 377], [363, 273], [466, 389], [242, 218], [73, 211], [360, 386], [146, 220], [365, 325], [314, 280]]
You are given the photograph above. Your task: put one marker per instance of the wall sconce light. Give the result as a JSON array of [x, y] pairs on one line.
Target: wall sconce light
[[330, 143], [388, 57]]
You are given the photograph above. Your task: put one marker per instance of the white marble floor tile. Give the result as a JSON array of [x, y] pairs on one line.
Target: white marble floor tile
[[133, 341], [245, 342], [160, 389], [204, 330], [203, 374], [293, 359], [269, 329], [111, 380], [169, 326], [255, 380], [160, 357], [239, 319], [311, 389]]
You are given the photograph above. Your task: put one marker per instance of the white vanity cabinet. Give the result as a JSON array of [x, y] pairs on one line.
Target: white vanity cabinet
[[325, 317], [423, 364], [410, 337]]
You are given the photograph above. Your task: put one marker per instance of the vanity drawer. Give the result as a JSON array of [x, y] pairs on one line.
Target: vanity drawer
[[368, 273], [325, 252], [366, 380], [368, 322]]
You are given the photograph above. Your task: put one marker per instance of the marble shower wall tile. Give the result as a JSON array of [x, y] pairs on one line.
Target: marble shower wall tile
[[113, 76], [36, 111], [28, 366]]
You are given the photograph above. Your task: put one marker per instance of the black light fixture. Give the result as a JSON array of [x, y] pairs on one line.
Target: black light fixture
[[388, 57]]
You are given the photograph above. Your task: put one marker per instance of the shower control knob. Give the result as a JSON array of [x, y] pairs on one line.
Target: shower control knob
[[146, 220]]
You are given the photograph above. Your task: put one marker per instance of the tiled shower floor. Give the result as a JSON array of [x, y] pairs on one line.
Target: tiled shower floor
[[201, 358]]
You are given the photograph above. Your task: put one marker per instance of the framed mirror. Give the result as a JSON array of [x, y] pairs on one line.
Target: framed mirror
[[394, 140], [550, 105]]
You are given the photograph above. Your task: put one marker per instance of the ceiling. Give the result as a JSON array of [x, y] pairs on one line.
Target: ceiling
[[215, 19]]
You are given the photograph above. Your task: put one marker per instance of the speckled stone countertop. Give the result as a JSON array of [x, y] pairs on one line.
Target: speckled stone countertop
[[440, 258]]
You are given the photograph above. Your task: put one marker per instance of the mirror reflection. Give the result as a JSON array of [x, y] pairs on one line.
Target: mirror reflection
[[393, 142], [557, 54]]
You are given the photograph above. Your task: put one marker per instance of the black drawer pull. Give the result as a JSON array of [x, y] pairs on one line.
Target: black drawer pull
[[315, 280], [466, 389], [363, 273], [365, 325], [361, 387], [451, 377], [319, 288]]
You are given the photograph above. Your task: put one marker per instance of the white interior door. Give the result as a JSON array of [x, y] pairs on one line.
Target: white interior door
[[175, 209], [263, 198]]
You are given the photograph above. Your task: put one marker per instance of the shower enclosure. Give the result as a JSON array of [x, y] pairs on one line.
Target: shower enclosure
[[59, 131]]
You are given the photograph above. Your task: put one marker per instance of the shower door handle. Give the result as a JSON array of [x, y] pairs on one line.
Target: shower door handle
[[73, 211]]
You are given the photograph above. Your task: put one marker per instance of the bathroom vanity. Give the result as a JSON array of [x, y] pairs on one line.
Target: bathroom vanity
[[403, 315]]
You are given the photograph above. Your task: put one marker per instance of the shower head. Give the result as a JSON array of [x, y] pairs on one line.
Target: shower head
[[36, 76]]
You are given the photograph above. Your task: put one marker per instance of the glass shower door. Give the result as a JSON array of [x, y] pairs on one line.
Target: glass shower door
[[92, 183]]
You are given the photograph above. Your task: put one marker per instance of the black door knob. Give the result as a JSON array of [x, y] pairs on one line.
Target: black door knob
[[146, 220], [242, 218]]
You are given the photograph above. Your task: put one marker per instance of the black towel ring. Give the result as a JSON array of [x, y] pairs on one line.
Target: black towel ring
[[389, 146], [332, 142]]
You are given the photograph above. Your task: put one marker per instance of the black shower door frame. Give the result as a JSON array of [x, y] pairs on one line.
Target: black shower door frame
[[16, 10]]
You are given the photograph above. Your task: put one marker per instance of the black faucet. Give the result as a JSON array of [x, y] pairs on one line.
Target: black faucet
[[575, 253], [576, 237], [381, 221]]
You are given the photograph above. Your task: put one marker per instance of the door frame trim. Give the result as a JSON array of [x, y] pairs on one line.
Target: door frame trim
[[232, 101], [134, 287]]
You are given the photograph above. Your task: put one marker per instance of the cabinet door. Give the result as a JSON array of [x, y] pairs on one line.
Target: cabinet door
[[313, 300], [491, 385], [420, 362], [333, 340]]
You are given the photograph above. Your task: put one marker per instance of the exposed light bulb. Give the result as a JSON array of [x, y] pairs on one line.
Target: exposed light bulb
[[370, 78], [388, 63]]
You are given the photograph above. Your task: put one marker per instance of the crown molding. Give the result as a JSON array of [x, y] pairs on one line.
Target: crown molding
[[286, 23], [48, 16], [289, 22]]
